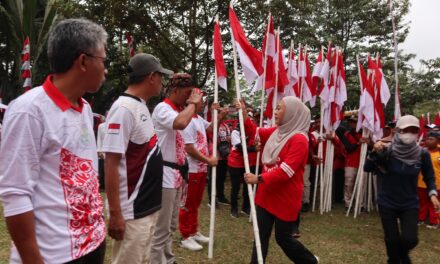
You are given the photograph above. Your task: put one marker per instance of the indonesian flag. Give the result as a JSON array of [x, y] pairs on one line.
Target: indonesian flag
[[384, 89], [292, 88], [366, 110], [437, 119], [316, 74], [280, 66], [250, 58], [422, 123], [309, 90], [375, 80], [217, 55], [325, 76], [26, 74], [130, 44]]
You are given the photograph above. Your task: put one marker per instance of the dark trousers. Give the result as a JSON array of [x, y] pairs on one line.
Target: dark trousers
[[338, 183], [399, 242], [237, 179], [95, 257], [222, 168], [293, 249]]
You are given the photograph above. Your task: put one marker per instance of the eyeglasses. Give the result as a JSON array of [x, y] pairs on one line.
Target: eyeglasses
[[104, 60]]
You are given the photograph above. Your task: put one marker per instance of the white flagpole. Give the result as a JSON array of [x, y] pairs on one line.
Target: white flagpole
[[300, 70], [396, 60], [275, 90], [257, 166], [245, 155], [214, 168]]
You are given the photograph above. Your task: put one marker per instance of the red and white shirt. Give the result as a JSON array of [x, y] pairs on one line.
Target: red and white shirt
[[170, 142], [49, 165], [130, 132], [195, 133]]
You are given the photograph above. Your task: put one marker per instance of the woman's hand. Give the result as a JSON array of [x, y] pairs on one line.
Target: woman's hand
[[250, 178]]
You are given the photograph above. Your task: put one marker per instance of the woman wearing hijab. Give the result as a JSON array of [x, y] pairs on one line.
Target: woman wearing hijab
[[397, 165], [280, 186]]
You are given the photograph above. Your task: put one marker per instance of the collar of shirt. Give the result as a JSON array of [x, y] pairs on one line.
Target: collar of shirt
[[58, 98], [177, 109]]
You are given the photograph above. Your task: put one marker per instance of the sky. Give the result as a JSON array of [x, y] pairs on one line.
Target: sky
[[424, 35]]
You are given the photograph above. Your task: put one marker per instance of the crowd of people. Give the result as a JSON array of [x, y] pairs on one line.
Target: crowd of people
[[154, 167]]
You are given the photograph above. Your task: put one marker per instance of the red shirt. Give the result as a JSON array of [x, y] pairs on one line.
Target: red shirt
[[235, 157], [352, 158], [282, 188]]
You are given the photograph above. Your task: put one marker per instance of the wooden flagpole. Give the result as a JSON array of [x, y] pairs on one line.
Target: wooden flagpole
[[245, 155]]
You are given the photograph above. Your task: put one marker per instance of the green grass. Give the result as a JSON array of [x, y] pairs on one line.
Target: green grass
[[334, 237]]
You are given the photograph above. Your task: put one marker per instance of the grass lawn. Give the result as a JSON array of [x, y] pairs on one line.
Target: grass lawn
[[334, 237]]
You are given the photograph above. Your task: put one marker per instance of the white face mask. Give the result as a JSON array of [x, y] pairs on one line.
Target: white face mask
[[408, 138]]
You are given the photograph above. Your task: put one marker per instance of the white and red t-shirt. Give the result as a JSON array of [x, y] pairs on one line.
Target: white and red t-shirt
[[195, 133], [130, 132], [170, 142], [49, 165]]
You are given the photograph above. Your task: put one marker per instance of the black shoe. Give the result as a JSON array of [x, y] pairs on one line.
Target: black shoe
[[246, 211], [234, 213], [305, 207], [223, 201]]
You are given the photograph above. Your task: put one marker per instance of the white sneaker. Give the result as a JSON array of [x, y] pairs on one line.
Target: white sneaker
[[190, 244], [200, 238]]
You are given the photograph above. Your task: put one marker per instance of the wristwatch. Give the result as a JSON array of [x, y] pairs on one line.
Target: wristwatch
[[260, 178]]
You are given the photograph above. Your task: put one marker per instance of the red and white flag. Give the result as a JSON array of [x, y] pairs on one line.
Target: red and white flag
[[384, 89], [366, 110], [26, 74], [375, 80], [280, 66], [309, 90], [437, 119], [292, 75], [250, 58], [130, 44], [217, 55], [325, 76]]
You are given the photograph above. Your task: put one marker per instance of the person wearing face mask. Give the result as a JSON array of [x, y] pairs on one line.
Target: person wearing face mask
[[397, 167], [281, 185]]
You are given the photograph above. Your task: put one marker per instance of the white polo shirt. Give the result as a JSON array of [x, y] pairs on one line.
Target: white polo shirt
[[130, 132], [49, 165], [170, 141], [195, 133]]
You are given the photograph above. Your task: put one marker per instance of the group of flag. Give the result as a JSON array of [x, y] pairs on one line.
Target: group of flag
[[269, 70]]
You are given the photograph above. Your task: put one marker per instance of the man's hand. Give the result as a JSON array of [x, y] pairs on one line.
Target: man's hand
[[116, 227], [436, 203], [212, 161], [195, 97], [364, 140], [378, 146], [316, 160]]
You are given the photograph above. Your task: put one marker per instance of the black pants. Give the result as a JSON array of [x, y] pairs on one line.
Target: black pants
[[237, 179], [222, 168], [293, 249], [101, 174], [399, 242], [95, 257], [338, 183]]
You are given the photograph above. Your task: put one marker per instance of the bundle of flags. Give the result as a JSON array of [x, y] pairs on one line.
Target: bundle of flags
[[26, 65], [375, 94]]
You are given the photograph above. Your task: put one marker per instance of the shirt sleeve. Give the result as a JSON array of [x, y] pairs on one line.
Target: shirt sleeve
[[428, 173], [20, 162], [190, 134], [164, 116], [119, 125], [206, 124], [235, 138], [296, 156]]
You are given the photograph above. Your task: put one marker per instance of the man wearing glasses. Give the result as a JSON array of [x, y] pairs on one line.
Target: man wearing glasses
[[49, 166], [133, 163]]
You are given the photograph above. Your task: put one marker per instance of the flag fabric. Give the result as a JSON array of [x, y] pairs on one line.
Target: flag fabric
[[375, 78], [437, 119], [385, 94], [130, 44], [269, 106], [422, 123], [325, 76], [217, 55], [292, 88], [280, 66], [309, 90], [366, 110], [26, 74], [316, 74], [250, 58]]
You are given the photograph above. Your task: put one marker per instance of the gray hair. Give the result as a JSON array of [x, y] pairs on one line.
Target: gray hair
[[71, 37]]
